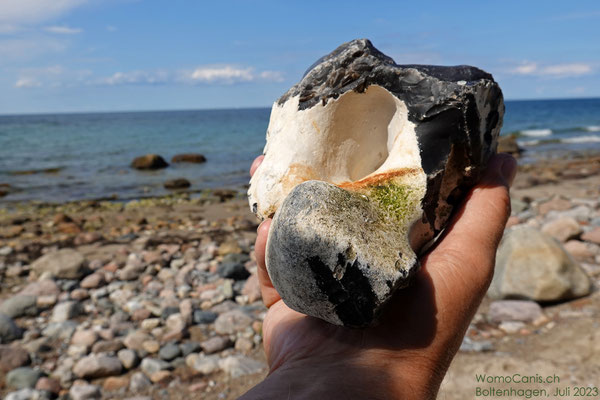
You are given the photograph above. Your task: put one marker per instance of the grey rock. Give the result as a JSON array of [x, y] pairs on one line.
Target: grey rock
[[339, 252], [532, 265], [19, 305], [12, 357], [514, 310], [232, 270], [97, 366], [206, 364], [61, 330], [152, 365], [562, 229], [9, 331], [5, 250], [85, 392], [189, 348], [204, 317], [63, 264], [169, 352], [128, 358], [139, 382], [23, 377], [237, 366], [215, 344], [231, 322], [66, 310], [517, 206]]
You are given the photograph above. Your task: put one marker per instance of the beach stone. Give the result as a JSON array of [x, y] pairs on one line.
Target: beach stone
[[579, 250], [12, 357], [115, 383], [231, 322], [189, 348], [514, 310], [592, 236], [97, 366], [169, 352], [206, 364], [178, 183], [62, 264], [23, 377], [26, 394], [9, 331], [555, 204], [251, 289], [85, 392], [48, 385], [232, 270], [66, 310], [151, 346], [149, 161], [135, 340], [139, 382], [107, 346], [194, 158], [204, 317], [19, 305], [93, 281], [60, 330], [470, 345], [511, 327], [532, 265], [84, 338], [128, 358], [237, 366], [44, 287], [243, 344], [5, 250], [152, 365], [215, 344], [161, 376], [562, 229]]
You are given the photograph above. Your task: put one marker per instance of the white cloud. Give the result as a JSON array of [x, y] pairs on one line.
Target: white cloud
[[26, 12], [553, 70], [27, 83], [134, 77], [227, 74], [63, 30]]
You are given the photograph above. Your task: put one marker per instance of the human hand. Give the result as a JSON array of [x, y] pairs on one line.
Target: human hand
[[408, 353]]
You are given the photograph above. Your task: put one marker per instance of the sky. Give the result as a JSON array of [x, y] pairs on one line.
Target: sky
[[122, 55]]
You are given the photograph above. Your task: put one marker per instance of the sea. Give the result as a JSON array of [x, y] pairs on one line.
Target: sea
[[65, 157]]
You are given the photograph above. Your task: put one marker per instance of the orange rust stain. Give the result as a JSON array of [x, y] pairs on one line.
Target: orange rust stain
[[295, 175], [382, 178], [314, 124]]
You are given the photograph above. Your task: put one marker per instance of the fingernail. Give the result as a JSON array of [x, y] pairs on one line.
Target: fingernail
[[508, 169]]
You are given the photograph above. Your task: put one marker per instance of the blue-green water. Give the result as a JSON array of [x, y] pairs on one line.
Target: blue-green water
[[88, 155]]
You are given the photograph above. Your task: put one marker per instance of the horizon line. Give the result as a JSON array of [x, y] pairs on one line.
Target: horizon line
[[229, 108]]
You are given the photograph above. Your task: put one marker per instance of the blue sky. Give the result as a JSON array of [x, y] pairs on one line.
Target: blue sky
[[103, 55]]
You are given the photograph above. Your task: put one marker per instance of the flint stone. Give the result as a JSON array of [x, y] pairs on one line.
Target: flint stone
[[9, 331], [379, 151], [532, 265], [62, 264], [19, 305]]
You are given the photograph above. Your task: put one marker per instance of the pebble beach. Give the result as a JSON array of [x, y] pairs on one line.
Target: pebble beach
[[158, 298]]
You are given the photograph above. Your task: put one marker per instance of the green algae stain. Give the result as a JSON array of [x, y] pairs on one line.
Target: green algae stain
[[396, 201]]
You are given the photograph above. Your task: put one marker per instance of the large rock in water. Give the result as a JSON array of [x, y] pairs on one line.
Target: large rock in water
[[364, 163], [532, 265], [149, 161]]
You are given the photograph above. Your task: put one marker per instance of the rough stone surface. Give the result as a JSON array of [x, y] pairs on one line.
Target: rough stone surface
[[97, 366], [344, 202], [63, 264], [514, 310], [532, 265]]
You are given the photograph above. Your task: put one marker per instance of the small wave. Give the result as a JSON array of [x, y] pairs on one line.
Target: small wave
[[592, 128], [528, 142], [582, 139], [536, 132]]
